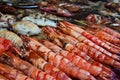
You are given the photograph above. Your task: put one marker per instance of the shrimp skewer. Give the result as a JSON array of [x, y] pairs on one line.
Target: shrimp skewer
[[37, 61], [106, 37], [64, 43], [83, 39], [24, 66], [57, 60], [78, 61], [12, 73], [111, 32], [100, 33], [77, 32], [92, 52]]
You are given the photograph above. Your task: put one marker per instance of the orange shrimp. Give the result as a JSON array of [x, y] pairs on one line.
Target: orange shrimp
[[83, 39], [111, 32], [25, 67], [39, 62], [12, 73], [96, 32], [92, 52], [58, 60], [78, 61], [106, 37], [64, 43], [77, 32]]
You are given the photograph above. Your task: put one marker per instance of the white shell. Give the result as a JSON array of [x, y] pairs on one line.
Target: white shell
[[41, 21], [26, 28]]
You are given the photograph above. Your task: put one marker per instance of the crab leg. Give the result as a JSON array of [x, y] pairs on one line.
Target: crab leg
[[12, 73], [24, 66], [58, 60], [39, 62]]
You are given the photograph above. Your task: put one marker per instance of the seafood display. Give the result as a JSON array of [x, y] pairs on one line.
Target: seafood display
[[59, 40]]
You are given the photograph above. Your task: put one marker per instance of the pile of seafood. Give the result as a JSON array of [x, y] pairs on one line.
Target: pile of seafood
[[35, 45]]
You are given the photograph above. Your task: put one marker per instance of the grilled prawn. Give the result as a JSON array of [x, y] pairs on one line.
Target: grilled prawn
[[84, 36], [39, 62], [78, 61], [106, 37], [58, 60], [63, 41], [12, 73], [92, 52], [111, 32], [25, 67]]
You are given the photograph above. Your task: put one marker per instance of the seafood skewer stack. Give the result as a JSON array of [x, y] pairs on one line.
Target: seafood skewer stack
[[74, 53], [68, 51]]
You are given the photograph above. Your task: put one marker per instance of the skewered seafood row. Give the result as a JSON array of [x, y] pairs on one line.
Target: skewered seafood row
[[57, 60], [84, 36], [105, 37], [12, 73], [10, 59], [39, 62], [90, 51], [78, 61], [25, 67], [62, 42]]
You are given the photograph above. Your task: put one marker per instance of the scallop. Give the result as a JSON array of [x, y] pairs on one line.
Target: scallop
[[26, 28]]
